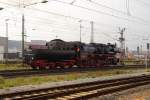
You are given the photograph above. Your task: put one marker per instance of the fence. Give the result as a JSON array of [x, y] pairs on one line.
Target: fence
[[11, 58]]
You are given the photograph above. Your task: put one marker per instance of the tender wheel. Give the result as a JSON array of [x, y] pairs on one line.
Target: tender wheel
[[38, 68], [47, 67]]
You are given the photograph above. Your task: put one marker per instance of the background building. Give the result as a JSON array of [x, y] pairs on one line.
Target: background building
[[15, 48], [1, 53]]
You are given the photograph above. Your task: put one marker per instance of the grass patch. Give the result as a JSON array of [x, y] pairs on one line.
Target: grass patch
[[12, 67], [7, 83]]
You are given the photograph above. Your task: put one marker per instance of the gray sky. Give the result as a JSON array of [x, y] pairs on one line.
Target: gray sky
[[59, 18]]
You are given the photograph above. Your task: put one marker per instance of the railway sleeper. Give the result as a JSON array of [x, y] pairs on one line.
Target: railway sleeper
[[99, 92], [57, 93]]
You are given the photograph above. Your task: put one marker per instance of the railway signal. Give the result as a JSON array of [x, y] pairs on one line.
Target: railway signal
[[138, 51], [122, 43], [147, 55]]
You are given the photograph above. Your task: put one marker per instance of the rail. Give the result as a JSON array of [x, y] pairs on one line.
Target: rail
[[30, 72], [81, 90]]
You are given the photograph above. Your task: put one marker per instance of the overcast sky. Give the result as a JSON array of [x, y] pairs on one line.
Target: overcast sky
[[60, 18]]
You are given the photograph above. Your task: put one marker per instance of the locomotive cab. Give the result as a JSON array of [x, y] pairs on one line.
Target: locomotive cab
[[29, 57]]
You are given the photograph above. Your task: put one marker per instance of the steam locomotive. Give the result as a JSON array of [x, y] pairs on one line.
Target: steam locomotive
[[61, 54]]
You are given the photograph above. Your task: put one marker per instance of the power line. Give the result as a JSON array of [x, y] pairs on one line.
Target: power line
[[16, 5], [104, 13], [74, 18], [46, 21], [64, 30], [107, 35], [73, 2], [144, 22], [97, 12], [93, 10], [96, 3], [8, 4], [79, 18], [64, 15], [143, 3]]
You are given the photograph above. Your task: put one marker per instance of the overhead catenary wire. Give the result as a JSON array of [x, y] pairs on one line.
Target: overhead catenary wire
[[129, 13], [5, 3], [108, 14], [75, 18], [144, 3], [127, 7], [144, 22], [107, 35], [8, 4], [101, 5], [64, 30], [72, 17], [68, 16], [29, 20], [93, 10], [104, 33], [147, 22], [101, 24], [107, 7], [35, 17]]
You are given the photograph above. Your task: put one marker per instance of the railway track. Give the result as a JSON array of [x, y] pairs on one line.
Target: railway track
[[79, 91], [30, 72]]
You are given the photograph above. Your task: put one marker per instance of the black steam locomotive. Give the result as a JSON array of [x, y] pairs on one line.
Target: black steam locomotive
[[58, 53]]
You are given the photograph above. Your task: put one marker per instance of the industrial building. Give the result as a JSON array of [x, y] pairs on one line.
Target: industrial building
[[15, 48]]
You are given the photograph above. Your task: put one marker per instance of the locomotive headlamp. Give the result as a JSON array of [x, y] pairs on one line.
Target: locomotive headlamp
[[32, 58]]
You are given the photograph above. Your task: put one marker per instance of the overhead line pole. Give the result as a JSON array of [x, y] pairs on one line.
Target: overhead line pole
[[80, 30], [6, 49], [92, 32], [128, 7], [23, 33], [23, 28]]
